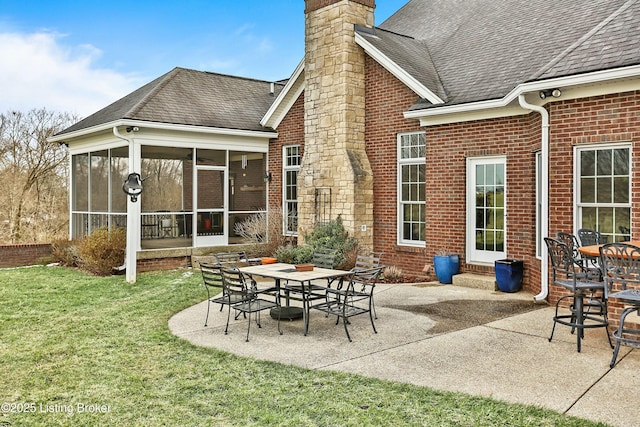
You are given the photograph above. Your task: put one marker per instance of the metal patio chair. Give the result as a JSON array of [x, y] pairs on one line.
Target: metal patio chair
[[248, 299], [366, 260], [212, 279], [621, 269], [590, 237], [570, 275], [352, 297]]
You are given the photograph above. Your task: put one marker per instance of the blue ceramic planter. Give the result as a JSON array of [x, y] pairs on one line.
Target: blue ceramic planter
[[446, 266], [509, 274]]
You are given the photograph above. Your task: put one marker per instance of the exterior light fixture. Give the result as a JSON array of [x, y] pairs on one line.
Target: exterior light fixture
[[133, 186], [556, 93], [267, 177]]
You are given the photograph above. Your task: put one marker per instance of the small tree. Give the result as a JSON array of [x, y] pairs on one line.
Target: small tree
[[262, 232]]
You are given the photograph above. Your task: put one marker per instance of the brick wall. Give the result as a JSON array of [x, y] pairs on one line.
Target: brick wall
[[587, 121], [24, 254]]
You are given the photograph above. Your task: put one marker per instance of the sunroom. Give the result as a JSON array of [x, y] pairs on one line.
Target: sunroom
[[196, 143]]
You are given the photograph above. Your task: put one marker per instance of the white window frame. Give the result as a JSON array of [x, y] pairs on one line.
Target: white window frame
[[473, 255], [289, 168], [419, 160], [578, 205]]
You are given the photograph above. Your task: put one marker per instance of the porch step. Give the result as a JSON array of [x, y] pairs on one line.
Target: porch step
[[478, 281]]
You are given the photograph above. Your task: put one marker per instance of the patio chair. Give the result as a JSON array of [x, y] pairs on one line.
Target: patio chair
[[247, 297], [570, 275], [351, 298], [322, 258], [621, 269], [235, 258], [366, 260], [212, 279], [590, 237]]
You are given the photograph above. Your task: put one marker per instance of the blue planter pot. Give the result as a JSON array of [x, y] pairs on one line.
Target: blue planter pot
[[446, 266], [509, 273]]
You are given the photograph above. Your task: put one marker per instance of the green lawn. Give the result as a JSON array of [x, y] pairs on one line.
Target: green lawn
[[73, 344]]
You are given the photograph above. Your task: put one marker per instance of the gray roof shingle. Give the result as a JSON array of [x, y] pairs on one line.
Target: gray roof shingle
[[482, 49], [190, 97]]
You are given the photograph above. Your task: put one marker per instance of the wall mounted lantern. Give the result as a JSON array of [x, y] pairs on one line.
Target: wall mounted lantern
[[267, 177], [133, 186]]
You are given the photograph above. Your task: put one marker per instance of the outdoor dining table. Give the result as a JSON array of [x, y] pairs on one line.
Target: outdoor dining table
[[594, 250], [289, 273]]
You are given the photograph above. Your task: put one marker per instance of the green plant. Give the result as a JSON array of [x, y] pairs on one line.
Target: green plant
[[332, 235], [103, 250], [294, 254]]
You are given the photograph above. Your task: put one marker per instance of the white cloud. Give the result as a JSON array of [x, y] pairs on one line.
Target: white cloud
[[37, 71]]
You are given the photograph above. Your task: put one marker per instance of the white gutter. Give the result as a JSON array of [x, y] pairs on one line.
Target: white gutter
[[544, 220], [133, 215]]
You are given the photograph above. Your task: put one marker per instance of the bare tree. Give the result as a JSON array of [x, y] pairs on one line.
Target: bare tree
[[33, 177]]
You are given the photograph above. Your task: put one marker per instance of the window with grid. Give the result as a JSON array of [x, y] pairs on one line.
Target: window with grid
[[412, 188], [603, 190], [290, 168]]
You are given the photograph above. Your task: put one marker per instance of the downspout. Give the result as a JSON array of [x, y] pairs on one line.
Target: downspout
[[544, 220], [132, 211]]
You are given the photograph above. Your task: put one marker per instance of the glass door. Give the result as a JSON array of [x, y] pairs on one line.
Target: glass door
[[210, 223], [486, 209]]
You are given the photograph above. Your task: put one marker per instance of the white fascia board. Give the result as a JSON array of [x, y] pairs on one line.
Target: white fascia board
[[285, 99], [503, 107], [399, 72], [161, 126]]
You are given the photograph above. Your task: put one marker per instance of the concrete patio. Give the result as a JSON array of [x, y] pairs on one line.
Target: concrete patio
[[506, 356]]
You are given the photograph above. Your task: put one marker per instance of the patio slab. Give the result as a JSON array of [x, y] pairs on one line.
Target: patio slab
[[508, 358]]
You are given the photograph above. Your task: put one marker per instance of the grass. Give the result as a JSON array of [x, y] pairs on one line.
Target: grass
[[68, 339]]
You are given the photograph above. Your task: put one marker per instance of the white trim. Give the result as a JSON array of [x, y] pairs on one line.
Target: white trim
[[399, 72], [471, 253], [399, 163], [290, 93], [577, 219], [503, 107], [161, 126]]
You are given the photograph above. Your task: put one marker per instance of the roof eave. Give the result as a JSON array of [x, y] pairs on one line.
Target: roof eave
[[161, 126], [400, 73], [507, 105], [285, 99]]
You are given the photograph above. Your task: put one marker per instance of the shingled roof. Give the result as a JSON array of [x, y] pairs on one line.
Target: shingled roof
[[190, 97], [475, 50]]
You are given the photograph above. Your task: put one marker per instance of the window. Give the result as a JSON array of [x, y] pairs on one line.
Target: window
[[486, 228], [412, 189], [603, 190], [290, 168]]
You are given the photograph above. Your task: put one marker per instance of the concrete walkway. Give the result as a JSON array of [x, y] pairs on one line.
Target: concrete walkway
[[509, 359]]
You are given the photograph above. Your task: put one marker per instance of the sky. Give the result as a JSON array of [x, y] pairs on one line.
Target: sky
[[79, 56]]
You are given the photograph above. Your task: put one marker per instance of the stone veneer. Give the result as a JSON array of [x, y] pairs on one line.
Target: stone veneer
[[334, 152]]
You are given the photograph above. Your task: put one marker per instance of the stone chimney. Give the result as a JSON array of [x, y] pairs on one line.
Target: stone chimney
[[335, 177]]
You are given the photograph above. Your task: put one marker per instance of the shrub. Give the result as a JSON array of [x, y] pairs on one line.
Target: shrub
[[255, 229], [294, 254], [103, 250], [333, 235], [65, 252]]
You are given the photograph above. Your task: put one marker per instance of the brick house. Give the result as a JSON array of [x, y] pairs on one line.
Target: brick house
[[475, 126]]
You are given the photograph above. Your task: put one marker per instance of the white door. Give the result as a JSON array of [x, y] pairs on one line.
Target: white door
[[486, 197]]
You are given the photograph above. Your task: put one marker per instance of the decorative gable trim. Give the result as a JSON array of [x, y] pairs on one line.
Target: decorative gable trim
[[398, 71]]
